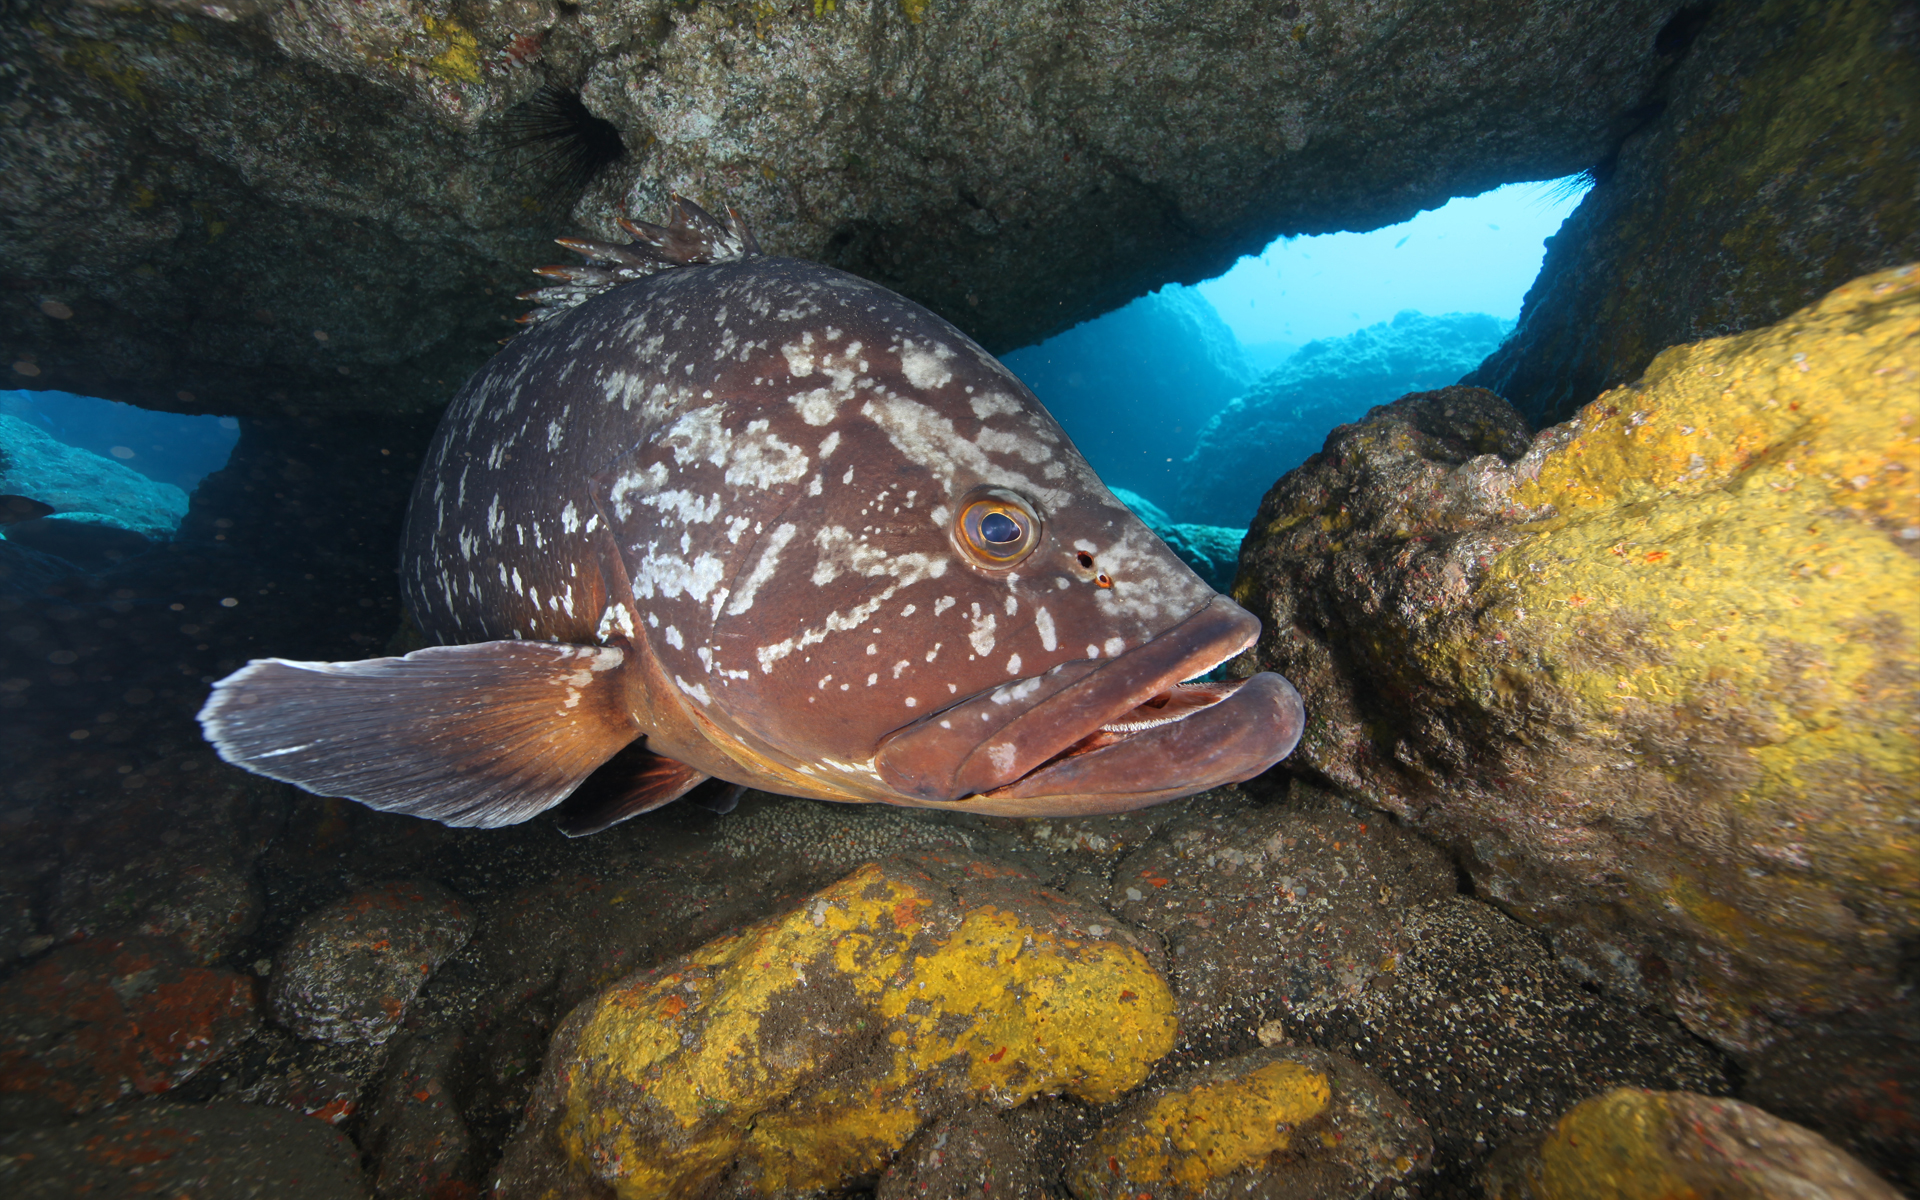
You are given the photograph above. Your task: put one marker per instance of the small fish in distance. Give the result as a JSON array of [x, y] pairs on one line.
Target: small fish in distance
[[722, 514]]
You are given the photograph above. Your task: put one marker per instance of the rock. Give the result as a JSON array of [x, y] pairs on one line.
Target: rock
[[1634, 1144], [1860, 1090], [1655, 680], [209, 906], [181, 867], [257, 176], [415, 1136], [25, 572], [1132, 388], [328, 1096], [107, 1019], [218, 1151], [806, 1050], [82, 483], [1771, 172], [968, 1156], [1273, 912], [1488, 1039], [1212, 551], [1294, 1124], [1285, 417], [349, 971]]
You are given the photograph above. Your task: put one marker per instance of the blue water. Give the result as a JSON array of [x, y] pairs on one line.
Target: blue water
[[165, 447], [1136, 388]]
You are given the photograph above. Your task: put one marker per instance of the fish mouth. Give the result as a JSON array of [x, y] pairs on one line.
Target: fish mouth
[[1108, 735]]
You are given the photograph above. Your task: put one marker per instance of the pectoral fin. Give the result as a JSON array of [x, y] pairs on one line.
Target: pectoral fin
[[479, 735], [634, 781]]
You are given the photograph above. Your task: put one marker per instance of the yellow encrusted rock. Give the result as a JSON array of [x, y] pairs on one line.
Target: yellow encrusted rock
[[1278, 1122], [1635, 1144], [807, 1049], [1658, 678]]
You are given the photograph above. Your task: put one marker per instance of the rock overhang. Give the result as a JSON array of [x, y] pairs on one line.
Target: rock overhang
[[259, 176]]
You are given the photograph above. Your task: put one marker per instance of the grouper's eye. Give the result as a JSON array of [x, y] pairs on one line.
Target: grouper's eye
[[996, 528]]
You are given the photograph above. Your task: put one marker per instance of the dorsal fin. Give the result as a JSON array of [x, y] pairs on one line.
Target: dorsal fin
[[692, 236], [484, 735]]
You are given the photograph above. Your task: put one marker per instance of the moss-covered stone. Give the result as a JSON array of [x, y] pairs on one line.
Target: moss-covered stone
[[1781, 164], [1273, 1123], [1658, 677], [1634, 1144], [806, 1050]]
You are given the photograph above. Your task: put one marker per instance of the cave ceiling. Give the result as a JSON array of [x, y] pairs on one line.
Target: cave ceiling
[[328, 206]]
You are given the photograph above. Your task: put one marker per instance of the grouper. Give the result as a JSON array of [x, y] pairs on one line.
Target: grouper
[[719, 514]]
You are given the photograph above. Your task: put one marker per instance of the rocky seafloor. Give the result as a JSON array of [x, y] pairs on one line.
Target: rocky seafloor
[[1594, 873], [1494, 929]]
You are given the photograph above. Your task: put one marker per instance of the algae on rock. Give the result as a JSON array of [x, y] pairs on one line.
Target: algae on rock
[[804, 1051], [1635, 1144], [1658, 678]]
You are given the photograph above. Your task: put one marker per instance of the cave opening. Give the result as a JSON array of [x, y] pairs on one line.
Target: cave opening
[[1172, 393], [93, 482]]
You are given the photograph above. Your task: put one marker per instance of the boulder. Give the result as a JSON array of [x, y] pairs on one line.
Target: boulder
[[1774, 164], [181, 867], [350, 970], [247, 207], [806, 1050], [415, 1137], [1635, 1144], [1283, 418], [1861, 1090], [84, 485], [1653, 675], [110, 1019]]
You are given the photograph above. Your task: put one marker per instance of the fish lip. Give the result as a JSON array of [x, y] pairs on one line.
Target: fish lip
[[1233, 739], [949, 755]]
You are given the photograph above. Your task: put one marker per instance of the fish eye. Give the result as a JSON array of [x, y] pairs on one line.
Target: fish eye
[[999, 528], [996, 528]]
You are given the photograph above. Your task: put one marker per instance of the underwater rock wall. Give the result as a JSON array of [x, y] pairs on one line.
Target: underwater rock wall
[[1654, 675], [1272, 429], [1782, 163], [247, 207], [1134, 387], [83, 483]]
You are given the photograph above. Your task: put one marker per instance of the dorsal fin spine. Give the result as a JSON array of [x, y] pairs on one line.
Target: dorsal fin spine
[[692, 236]]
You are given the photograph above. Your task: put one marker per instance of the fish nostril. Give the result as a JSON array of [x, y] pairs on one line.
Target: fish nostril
[[1086, 560], [1103, 579]]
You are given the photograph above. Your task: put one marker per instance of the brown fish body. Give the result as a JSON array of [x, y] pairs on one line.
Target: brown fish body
[[786, 528]]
